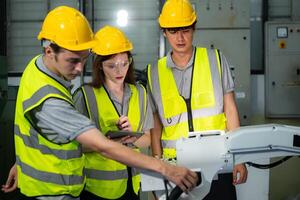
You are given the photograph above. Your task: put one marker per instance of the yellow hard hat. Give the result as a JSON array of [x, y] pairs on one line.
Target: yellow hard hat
[[111, 40], [177, 13], [68, 28]]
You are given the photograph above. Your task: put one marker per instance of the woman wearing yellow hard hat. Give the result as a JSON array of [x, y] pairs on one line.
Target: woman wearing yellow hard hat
[[115, 102]]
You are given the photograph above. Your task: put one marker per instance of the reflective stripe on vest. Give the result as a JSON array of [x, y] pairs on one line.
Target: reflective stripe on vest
[[44, 168], [40, 94], [32, 141], [108, 175], [48, 177], [206, 98], [105, 177]]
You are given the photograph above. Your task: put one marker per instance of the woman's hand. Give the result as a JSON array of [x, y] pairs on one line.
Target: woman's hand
[[124, 124]]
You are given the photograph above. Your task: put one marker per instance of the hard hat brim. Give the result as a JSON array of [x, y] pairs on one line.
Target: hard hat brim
[[81, 47], [106, 53], [176, 24]]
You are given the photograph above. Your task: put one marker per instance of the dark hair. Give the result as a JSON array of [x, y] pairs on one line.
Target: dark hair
[[193, 26], [56, 49], [98, 76]]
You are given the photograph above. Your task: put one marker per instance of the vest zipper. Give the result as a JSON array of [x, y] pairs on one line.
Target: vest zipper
[[188, 101], [189, 113]]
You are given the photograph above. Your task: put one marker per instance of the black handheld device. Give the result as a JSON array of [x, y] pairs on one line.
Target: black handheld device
[[119, 134]]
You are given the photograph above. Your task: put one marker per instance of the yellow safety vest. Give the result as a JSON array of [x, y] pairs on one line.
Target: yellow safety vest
[[44, 167], [105, 177], [204, 109]]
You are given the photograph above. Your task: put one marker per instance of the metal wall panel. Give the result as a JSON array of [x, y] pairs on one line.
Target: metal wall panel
[[279, 9], [256, 8], [257, 51], [54, 3], [256, 27], [28, 10], [22, 44], [282, 70], [296, 10], [25, 18], [144, 35], [137, 9], [142, 28], [223, 13]]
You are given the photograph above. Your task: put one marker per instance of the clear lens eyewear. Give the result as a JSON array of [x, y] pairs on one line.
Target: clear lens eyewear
[[121, 65]]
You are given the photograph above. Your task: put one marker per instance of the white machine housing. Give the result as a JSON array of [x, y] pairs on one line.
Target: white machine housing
[[215, 152]]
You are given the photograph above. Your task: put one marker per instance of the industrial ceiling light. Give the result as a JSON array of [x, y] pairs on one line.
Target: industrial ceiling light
[[122, 18]]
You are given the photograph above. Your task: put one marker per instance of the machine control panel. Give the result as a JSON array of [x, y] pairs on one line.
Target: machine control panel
[[282, 32]]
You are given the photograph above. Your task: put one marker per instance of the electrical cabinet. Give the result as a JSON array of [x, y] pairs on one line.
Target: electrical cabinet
[[282, 69]]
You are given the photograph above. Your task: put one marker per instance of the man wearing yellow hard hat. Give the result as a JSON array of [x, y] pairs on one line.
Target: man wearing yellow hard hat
[[192, 90], [50, 132]]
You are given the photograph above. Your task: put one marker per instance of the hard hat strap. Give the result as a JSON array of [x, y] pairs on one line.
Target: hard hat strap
[[46, 43]]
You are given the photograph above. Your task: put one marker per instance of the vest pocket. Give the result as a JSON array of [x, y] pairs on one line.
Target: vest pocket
[[204, 100]]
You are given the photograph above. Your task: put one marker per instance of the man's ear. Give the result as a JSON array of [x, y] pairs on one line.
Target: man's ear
[[49, 52]]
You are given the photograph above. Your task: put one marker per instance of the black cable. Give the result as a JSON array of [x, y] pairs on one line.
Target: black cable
[[268, 166], [166, 189]]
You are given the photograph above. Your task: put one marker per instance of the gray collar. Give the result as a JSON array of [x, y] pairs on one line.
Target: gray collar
[[171, 64], [40, 64], [127, 93]]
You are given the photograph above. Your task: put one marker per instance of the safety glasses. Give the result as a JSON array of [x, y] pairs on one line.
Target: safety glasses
[[121, 64]]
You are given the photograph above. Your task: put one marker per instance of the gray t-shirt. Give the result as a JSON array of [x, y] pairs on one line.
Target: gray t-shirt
[[183, 77], [59, 121], [122, 107]]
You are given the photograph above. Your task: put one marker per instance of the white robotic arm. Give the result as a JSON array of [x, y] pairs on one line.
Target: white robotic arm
[[215, 152]]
